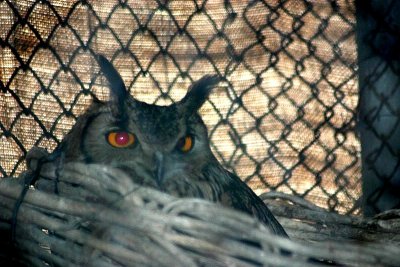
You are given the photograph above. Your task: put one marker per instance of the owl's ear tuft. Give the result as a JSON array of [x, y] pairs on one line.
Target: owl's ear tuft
[[118, 92], [198, 93]]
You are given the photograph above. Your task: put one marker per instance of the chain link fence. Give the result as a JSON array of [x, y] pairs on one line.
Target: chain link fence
[[284, 119], [378, 39]]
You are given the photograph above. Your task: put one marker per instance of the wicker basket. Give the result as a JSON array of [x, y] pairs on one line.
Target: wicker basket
[[99, 217]]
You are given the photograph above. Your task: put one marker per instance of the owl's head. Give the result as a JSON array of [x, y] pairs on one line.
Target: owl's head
[[150, 140]]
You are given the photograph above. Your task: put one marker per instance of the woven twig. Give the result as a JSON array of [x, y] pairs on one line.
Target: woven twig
[[101, 218], [307, 222]]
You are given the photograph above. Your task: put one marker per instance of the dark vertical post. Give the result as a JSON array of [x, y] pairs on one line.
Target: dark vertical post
[[378, 40]]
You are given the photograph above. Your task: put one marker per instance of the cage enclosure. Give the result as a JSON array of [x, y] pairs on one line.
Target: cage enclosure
[[306, 114]]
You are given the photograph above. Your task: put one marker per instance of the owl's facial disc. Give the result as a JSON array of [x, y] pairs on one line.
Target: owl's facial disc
[[160, 138]]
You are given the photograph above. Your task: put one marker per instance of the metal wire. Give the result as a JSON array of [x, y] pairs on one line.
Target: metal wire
[[284, 118]]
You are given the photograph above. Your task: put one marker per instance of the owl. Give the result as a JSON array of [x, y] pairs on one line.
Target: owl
[[163, 147]]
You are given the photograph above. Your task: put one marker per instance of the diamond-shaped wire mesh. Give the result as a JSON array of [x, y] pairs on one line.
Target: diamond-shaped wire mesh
[[284, 119], [379, 70]]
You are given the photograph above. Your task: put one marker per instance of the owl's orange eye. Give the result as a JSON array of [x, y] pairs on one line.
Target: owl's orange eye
[[185, 144], [120, 139]]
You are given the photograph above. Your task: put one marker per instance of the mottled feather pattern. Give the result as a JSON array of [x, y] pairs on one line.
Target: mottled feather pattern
[[155, 158]]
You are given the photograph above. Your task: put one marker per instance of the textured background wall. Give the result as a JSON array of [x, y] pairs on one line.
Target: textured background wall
[[284, 118]]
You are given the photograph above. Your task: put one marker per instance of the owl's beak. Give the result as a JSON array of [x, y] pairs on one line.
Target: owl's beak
[[159, 168]]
